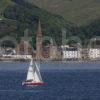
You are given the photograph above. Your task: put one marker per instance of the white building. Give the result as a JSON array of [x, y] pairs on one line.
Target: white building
[[70, 53], [94, 53]]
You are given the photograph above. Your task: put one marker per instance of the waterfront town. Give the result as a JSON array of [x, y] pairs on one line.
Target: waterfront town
[[23, 51]]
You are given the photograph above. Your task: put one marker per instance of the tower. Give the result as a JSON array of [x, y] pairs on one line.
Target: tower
[[39, 42], [53, 50]]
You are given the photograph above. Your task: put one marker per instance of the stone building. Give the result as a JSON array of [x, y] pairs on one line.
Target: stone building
[[94, 53], [70, 53]]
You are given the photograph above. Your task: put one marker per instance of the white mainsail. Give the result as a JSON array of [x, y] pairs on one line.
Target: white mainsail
[[30, 75], [34, 72]]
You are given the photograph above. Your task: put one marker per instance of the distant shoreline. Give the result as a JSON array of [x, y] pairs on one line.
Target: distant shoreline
[[55, 61]]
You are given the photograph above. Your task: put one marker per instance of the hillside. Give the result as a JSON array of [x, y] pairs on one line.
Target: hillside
[[80, 12], [26, 16], [3, 5], [19, 15]]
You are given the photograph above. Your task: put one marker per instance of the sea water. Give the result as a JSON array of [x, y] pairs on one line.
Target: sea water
[[60, 84]]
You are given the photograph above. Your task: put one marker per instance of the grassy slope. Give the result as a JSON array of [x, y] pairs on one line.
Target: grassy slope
[[26, 16], [3, 5], [7, 26], [77, 11], [23, 15]]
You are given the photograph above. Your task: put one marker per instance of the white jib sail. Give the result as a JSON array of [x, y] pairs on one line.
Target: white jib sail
[[37, 75]]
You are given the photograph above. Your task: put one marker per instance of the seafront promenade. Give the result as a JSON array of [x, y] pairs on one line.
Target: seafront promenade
[[25, 59], [13, 59]]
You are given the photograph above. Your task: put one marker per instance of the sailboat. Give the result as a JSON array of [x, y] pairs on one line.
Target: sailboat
[[33, 76]]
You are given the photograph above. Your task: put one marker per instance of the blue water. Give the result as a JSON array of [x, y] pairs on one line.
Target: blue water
[[59, 85]]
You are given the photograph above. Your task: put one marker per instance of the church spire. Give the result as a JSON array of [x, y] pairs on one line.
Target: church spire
[[39, 32], [39, 42]]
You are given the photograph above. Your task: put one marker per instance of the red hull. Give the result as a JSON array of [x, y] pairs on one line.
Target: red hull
[[33, 83]]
